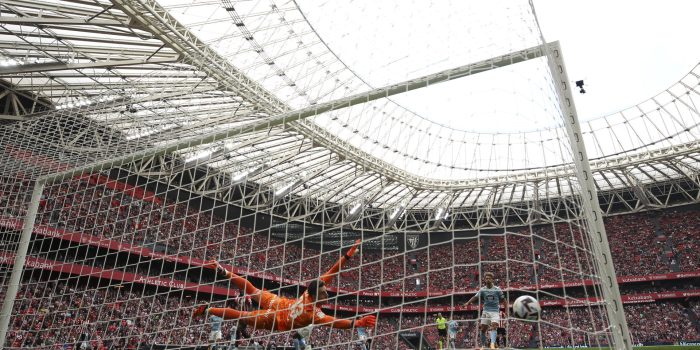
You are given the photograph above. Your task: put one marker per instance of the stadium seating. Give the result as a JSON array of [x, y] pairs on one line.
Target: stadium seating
[[50, 314], [173, 227]]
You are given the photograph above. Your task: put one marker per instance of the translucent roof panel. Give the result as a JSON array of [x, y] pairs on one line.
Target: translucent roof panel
[[490, 127], [468, 128]]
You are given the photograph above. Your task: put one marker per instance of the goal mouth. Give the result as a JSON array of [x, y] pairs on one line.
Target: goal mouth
[[221, 178], [125, 254]]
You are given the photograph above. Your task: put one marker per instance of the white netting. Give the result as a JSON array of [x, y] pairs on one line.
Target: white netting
[[184, 164], [117, 257], [120, 261]]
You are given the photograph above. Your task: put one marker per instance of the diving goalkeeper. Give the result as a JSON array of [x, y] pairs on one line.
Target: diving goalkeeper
[[283, 314]]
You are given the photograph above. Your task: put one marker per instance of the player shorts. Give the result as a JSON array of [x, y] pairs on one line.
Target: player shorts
[[442, 332], [215, 335], [489, 318], [305, 332], [452, 335]]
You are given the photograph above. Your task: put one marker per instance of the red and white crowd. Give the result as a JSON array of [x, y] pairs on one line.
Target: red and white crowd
[[51, 312]]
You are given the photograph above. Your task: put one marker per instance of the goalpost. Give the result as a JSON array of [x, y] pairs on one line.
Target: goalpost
[[48, 230], [109, 247]]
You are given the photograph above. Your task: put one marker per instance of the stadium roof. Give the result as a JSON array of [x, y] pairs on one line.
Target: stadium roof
[[152, 72]]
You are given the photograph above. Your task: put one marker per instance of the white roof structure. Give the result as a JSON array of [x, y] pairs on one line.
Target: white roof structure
[[147, 72]]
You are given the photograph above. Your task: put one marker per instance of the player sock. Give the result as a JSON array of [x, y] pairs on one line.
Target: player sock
[[227, 314], [243, 284]]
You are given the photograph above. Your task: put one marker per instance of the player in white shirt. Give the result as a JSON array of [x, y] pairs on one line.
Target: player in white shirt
[[300, 338]]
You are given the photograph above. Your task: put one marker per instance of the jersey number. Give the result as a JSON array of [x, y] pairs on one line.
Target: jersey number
[[296, 310]]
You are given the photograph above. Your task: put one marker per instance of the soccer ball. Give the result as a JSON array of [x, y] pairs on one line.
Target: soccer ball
[[526, 308]]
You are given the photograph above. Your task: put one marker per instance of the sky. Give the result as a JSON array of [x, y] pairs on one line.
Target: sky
[[625, 51]]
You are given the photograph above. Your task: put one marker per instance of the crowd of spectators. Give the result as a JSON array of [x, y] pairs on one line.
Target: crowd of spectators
[[51, 314], [682, 227], [660, 322], [545, 253], [634, 245], [55, 313]]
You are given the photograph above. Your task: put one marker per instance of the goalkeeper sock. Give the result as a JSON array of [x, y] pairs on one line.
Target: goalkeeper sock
[[243, 284], [228, 314]]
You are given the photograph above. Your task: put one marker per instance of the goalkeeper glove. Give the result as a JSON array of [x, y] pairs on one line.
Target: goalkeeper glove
[[221, 272], [352, 250], [366, 322]]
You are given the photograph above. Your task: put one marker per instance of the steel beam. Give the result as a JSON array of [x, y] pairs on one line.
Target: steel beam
[[20, 258], [11, 117], [54, 66], [38, 6], [48, 21], [589, 198], [152, 16]]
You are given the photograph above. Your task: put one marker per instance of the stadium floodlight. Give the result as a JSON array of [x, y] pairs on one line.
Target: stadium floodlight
[[354, 210], [242, 176], [441, 214], [287, 188], [395, 214], [199, 155], [239, 177]]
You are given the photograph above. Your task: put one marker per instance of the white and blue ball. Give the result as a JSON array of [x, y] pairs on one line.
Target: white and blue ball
[[526, 308]]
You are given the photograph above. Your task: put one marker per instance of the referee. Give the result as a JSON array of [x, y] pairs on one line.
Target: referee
[[441, 323]]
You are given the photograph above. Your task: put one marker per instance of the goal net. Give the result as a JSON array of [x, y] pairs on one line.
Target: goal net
[[114, 204]]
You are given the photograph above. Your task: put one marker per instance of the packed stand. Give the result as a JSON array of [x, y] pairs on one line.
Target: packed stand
[[51, 315], [558, 252], [69, 312], [509, 257], [634, 245], [561, 253], [682, 227]]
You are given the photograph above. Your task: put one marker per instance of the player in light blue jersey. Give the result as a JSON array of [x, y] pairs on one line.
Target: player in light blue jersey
[[452, 330], [300, 338], [363, 338], [215, 334], [489, 298]]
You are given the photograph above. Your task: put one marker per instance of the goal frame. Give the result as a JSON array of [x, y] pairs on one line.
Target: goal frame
[[589, 198]]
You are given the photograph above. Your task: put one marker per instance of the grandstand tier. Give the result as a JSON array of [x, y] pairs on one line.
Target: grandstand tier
[[119, 264]]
